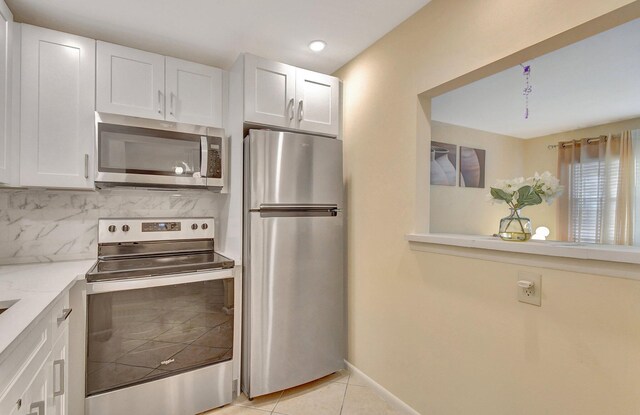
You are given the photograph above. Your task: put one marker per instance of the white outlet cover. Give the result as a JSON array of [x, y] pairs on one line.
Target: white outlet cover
[[530, 296]]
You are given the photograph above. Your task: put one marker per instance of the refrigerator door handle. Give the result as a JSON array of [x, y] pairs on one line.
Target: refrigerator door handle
[[278, 206], [268, 210]]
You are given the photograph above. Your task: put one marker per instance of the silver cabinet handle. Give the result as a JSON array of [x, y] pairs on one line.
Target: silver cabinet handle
[[37, 405], [59, 363], [86, 166], [65, 315], [171, 103], [291, 103], [159, 102], [300, 111]]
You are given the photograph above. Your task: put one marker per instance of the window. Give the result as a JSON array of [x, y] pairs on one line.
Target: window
[[601, 200], [594, 193]]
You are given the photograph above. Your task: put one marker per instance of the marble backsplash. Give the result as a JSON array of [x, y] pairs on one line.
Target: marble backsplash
[[48, 225]]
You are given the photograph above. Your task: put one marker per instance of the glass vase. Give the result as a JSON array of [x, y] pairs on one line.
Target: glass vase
[[515, 227]]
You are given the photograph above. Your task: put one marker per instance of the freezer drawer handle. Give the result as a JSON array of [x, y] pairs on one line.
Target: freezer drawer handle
[[267, 206], [297, 210]]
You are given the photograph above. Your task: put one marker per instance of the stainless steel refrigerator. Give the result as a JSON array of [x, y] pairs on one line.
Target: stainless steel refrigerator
[[293, 291]]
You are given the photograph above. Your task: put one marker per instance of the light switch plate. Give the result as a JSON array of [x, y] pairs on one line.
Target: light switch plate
[[530, 295]]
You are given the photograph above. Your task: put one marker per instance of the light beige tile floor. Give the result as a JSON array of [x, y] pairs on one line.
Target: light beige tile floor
[[337, 394]]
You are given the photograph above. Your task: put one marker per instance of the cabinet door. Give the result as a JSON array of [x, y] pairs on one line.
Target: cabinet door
[[129, 81], [6, 19], [194, 93], [317, 98], [269, 92], [59, 379], [16, 409], [35, 398], [57, 109]]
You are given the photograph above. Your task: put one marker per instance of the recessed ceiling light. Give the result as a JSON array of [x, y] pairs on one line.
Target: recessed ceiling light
[[317, 45]]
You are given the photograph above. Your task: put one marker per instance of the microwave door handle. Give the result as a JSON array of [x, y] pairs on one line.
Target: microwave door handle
[[204, 156]]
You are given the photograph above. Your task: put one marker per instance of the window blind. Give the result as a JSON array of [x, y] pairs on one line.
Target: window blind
[[594, 186]]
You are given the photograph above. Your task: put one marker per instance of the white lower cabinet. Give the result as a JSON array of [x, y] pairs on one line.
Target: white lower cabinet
[[34, 377], [57, 109], [58, 364], [37, 393]]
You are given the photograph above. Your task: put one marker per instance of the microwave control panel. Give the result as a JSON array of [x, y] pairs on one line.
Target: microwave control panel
[[214, 162]]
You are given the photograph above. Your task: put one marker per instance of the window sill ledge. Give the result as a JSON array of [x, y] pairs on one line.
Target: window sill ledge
[[615, 261]]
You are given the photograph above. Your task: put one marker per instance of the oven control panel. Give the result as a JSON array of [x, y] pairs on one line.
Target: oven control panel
[[161, 226], [154, 229]]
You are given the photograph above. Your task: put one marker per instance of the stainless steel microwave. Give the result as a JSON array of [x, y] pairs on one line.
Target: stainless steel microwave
[[145, 157]]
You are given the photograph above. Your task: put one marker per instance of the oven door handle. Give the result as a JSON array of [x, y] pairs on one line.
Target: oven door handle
[[160, 281]]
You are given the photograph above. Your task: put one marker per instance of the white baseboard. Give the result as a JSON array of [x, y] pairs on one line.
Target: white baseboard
[[391, 399]]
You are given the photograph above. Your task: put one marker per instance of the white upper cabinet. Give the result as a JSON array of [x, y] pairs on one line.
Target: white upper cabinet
[[6, 20], [317, 96], [269, 92], [193, 93], [143, 84], [285, 96], [57, 109], [129, 82]]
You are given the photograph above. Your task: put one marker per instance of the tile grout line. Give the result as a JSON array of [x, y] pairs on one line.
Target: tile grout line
[[273, 411], [344, 397]]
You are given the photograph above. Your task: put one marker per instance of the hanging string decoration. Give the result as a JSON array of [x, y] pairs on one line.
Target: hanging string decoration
[[527, 88]]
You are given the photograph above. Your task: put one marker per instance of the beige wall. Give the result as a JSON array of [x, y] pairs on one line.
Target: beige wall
[[445, 334], [449, 208]]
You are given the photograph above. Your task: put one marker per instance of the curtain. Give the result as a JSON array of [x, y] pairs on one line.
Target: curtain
[[599, 176], [635, 148]]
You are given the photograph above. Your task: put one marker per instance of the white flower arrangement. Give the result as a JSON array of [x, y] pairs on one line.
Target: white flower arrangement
[[520, 192]]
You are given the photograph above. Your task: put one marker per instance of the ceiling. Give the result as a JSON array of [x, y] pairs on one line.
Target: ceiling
[[592, 82], [215, 31]]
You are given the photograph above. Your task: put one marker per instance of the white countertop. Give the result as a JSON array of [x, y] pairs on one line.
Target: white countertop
[[35, 286]]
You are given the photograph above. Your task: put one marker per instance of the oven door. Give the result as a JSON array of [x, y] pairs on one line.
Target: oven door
[[138, 156], [149, 329]]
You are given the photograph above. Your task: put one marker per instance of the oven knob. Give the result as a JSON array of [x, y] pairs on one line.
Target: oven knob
[[194, 226], [125, 228], [112, 228], [205, 226]]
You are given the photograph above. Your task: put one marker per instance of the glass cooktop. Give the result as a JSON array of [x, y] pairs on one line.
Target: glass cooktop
[[147, 266]]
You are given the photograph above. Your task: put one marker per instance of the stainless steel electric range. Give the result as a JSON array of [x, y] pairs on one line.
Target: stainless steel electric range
[[160, 319]]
